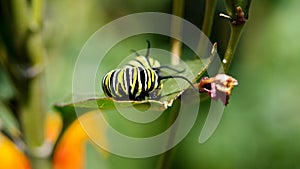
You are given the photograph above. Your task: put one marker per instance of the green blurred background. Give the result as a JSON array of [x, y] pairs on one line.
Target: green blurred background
[[260, 126]]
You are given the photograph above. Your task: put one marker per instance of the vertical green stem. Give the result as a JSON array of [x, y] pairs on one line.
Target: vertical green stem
[[236, 31], [210, 6], [238, 11], [37, 10], [33, 114], [178, 7], [33, 107], [178, 10], [20, 17], [27, 18], [166, 158]]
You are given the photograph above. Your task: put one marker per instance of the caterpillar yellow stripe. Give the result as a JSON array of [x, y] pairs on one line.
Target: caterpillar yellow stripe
[[132, 83], [137, 80]]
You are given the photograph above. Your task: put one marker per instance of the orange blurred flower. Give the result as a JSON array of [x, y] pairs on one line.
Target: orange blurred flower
[[11, 157], [70, 150]]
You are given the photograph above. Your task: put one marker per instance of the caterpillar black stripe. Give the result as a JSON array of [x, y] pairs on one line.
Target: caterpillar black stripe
[[138, 79], [132, 83]]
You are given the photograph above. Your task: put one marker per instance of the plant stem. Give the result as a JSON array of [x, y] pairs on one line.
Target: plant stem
[[236, 31], [20, 18], [210, 6], [26, 19], [166, 158], [176, 27], [238, 11], [178, 10], [37, 10], [34, 108]]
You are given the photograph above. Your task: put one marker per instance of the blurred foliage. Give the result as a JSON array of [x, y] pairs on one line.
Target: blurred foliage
[[261, 125]]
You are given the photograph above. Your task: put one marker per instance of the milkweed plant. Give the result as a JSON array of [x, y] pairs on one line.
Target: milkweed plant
[[31, 137]]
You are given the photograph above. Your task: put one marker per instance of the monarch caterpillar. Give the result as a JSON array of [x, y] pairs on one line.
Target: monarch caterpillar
[[138, 79]]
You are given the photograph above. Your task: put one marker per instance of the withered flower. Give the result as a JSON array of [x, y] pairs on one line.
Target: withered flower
[[218, 87]]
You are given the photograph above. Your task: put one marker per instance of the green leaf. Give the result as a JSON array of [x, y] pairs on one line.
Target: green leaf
[[172, 90], [170, 93]]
